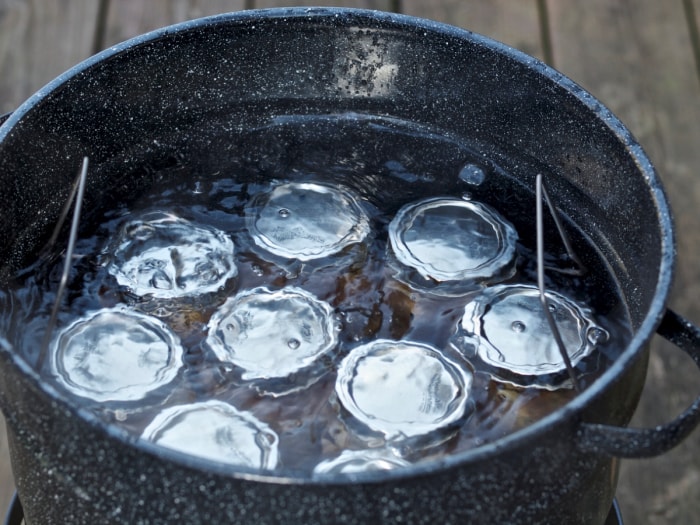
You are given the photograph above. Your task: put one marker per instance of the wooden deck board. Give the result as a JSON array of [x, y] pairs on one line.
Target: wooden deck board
[[513, 23], [38, 41], [129, 18], [382, 5], [635, 56]]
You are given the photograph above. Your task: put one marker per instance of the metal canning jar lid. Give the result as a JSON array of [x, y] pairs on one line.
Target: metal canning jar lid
[[510, 334], [402, 389], [350, 462], [115, 354], [164, 256], [216, 431], [272, 334], [306, 221], [450, 240]]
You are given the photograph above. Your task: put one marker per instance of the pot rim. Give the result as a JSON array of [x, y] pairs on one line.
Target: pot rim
[[379, 19]]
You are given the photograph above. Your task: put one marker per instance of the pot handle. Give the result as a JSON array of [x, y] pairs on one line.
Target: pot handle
[[643, 443]]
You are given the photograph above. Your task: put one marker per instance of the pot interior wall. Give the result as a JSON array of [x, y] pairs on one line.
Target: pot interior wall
[[184, 97]]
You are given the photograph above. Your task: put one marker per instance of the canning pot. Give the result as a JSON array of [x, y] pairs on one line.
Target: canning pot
[[181, 92]]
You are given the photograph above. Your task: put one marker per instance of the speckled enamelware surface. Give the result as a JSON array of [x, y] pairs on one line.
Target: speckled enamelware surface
[[178, 93]]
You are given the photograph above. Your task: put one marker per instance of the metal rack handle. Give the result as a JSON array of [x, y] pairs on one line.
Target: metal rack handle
[[626, 442]]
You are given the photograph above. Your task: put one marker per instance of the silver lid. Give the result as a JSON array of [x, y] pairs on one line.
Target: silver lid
[[164, 256], [513, 336], [217, 431], [115, 354], [306, 221], [452, 240], [402, 389], [272, 334], [351, 462]]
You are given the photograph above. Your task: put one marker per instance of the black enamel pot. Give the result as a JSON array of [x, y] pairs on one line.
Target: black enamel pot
[[170, 93]]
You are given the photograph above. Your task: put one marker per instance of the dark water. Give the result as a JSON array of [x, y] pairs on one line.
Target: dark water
[[386, 164]]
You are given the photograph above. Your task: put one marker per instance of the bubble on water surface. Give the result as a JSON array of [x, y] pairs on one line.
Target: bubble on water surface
[[452, 241], [472, 174], [402, 389], [216, 431], [272, 334], [164, 256], [115, 355], [518, 326], [513, 334], [306, 221]]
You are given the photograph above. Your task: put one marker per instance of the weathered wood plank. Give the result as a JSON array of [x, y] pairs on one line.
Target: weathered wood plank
[[382, 5], [129, 18], [637, 58], [38, 41], [513, 23]]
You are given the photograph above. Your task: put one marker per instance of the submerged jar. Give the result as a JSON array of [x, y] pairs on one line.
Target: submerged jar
[[274, 338], [401, 390], [450, 245], [115, 354], [306, 221], [158, 254], [216, 431], [505, 331]]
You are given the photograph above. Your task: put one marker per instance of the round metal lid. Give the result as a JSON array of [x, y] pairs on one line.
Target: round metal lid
[[217, 431], [165, 256], [306, 221], [452, 240], [272, 334], [115, 354], [513, 337], [351, 462], [402, 389]]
